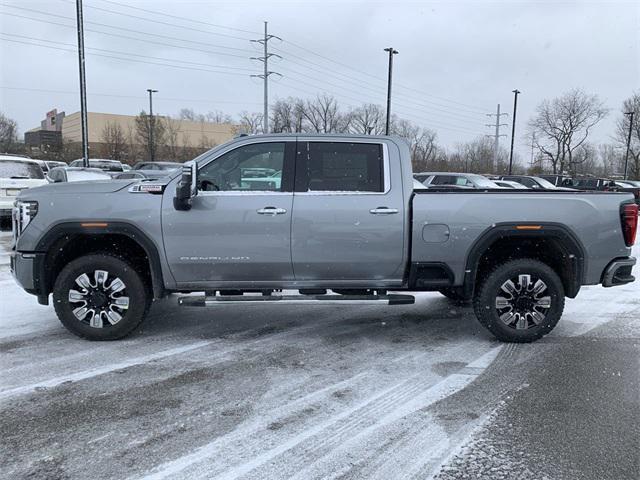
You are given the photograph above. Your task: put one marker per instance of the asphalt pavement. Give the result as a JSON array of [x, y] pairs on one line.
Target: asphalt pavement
[[418, 391]]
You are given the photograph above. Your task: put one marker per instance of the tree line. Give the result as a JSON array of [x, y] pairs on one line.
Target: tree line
[[558, 134]]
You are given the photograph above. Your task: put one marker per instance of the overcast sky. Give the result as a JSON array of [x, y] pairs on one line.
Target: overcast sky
[[457, 59]]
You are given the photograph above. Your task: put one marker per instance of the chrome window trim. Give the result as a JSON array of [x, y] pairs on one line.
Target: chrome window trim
[[386, 170], [238, 193]]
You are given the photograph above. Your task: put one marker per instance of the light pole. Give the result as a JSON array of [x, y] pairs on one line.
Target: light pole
[[626, 157], [516, 92], [152, 125], [83, 85], [392, 52]]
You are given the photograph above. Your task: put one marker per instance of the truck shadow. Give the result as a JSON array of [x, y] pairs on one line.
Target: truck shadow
[[433, 318]]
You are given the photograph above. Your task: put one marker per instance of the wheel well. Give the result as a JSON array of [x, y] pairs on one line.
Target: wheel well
[[547, 249], [71, 246]]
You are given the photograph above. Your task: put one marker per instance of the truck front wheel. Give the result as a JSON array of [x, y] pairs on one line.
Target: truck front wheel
[[100, 297], [520, 301]]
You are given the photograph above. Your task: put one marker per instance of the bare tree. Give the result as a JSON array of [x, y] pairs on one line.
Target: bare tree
[[323, 115], [563, 124], [251, 123], [631, 104], [144, 126], [114, 142], [216, 116], [190, 115], [287, 115], [172, 133], [369, 119], [8, 134]]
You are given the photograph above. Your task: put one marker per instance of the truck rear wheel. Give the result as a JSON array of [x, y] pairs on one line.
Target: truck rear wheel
[[520, 301], [100, 297]]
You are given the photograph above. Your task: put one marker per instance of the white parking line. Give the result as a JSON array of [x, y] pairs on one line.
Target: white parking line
[[74, 377]]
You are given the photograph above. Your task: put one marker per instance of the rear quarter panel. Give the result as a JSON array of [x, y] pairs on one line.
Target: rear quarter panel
[[593, 218]]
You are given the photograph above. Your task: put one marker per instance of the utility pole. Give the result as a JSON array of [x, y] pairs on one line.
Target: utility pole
[[265, 75], [626, 157], [392, 52], [496, 136], [152, 125], [83, 85], [516, 92]]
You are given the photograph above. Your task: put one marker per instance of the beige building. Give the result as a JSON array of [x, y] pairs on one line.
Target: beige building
[[185, 133]]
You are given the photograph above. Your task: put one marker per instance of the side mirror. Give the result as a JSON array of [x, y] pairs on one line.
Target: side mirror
[[186, 188]]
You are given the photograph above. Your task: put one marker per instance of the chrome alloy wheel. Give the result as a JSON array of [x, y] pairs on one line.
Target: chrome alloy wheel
[[100, 301], [523, 302]]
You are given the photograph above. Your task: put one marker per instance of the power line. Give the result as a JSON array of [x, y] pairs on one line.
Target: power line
[[126, 53], [129, 59], [115, 12], [111, 34], [181, 18], [475, 107], [124, 29], [139, 97]]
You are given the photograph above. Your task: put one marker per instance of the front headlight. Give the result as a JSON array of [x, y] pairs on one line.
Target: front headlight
[[23, 213]]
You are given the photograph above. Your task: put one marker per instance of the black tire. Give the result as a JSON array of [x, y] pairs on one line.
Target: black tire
[[454, 294], [101, 297], [519, 323]]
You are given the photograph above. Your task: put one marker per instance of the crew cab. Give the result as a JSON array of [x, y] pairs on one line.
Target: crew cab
[[343, 225]]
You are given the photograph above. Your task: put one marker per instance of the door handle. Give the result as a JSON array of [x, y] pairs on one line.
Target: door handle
[[271, 211], [383, 211]]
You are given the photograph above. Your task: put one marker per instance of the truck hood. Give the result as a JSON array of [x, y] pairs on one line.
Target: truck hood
[[90, 186]]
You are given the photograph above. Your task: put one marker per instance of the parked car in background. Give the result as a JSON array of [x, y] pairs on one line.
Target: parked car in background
[[627, 186], [131, 174], [55, 163], [157, 166], [76, 174], [126, 167], [533, 182], [558, 180], [111, 166], [17, 174], [594, 183], [509, 184], [152, 170], [471, 180]]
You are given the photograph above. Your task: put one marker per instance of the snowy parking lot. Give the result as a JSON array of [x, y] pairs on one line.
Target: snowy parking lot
[[417, 391]]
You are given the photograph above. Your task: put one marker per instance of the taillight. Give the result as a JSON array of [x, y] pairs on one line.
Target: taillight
[[629, 220]]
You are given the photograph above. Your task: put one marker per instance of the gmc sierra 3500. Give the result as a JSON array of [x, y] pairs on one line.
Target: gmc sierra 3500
[[334, 217]]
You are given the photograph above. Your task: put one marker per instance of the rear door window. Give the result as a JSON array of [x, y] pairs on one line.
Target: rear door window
[[341, 167]]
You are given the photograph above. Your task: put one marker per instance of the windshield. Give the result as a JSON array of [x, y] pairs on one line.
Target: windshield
[[18, 169], [482, 182], [545, 183]]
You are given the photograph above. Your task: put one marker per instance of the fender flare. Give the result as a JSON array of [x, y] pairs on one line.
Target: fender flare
[[567, 239], [104, 227]]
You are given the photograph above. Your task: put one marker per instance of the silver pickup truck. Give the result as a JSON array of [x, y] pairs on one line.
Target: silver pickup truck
[[319, 219]]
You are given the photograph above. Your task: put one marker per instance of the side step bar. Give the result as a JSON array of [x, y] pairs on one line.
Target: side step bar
[[209, 301]]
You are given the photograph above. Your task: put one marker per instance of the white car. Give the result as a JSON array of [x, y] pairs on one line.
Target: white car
[[509, 184], [76, 174], [453, 179], [16, 174]]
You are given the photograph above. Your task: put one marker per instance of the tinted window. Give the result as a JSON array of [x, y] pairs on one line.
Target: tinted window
[[18, 169], [344, 167], [251, 167]]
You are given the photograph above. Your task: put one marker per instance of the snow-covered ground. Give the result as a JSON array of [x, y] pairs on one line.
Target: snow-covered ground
[[312, 392]]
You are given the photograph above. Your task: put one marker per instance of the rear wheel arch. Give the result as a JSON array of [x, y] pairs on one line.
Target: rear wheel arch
[[553, 244], [70, 240]]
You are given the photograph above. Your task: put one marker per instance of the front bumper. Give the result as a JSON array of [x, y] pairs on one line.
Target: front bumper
[[28, 272], [618, 272]]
